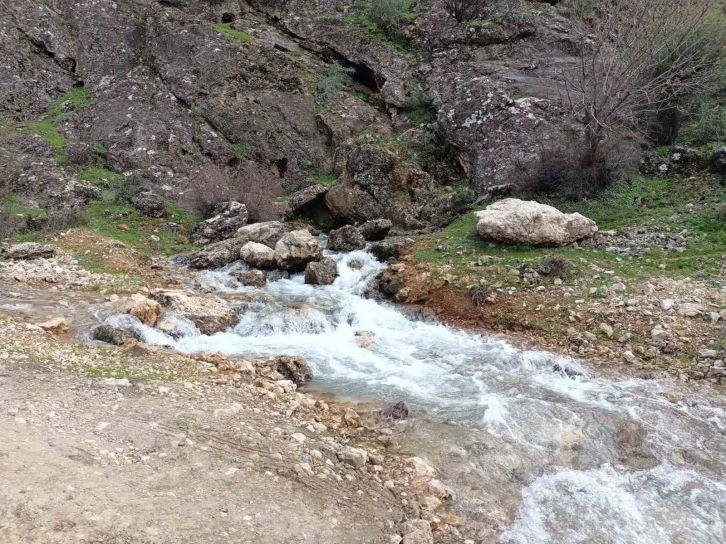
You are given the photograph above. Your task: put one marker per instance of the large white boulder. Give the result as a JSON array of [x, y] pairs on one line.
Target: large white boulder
[[209, 314], [257, 255], [296, 249], [514, 221]]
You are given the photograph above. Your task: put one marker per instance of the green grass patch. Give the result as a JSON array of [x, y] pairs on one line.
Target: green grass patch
[[227, 30], [17, 205], [242, 147], [45, 127], [324, 179]]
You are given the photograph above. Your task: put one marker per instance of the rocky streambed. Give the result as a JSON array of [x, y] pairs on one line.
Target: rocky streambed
[[529, 446]]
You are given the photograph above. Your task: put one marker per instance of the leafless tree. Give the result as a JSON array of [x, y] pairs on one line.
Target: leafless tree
[[639, 59]]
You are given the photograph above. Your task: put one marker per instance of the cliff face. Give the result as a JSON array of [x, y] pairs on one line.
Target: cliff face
[[206, 100]]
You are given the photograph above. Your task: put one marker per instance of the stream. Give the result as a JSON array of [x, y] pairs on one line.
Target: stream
[[537, 447]]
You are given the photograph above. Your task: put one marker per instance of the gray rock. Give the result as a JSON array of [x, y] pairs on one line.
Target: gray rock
[[514, 221], [150, 204], [346, 238], [291, 368], [717, 163], [250, 278], [209, 314], [303, 202], [417, 531], [395, 411], [29, 250], [666, 304], [228, 219], [389, 250], [321, 273], [353, 457], [296, 249], [375, 230], [257, 255], [114, 335]]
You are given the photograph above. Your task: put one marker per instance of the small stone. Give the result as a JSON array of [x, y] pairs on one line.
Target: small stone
[[298, 437], [55, 326], [618, 287], [667, 304], [606, 329], [353, 457]]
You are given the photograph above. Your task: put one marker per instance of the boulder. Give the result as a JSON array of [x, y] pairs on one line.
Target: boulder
[[114, 335], [266, 232], [290, 368], [417, 531], [150, 204], [353, 457], [305, 201], [57, 325], [143, 308], [347, 238], [514, 221], [351, 205], [296, 249], [209, 314], [389, 250], [29, 250], [375, 230], [228, 219], [257, 255], [227, 251], [395, 411], [175, 326], [321, 272], [717, 163], [365, 339], [250, 278]]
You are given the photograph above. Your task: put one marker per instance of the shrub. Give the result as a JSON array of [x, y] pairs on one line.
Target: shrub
[[563, 171], [386, 13], [711, 122], [553, 265], [126, 188], [330, 81]]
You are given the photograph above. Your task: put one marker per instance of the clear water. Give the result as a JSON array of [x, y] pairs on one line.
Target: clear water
[[544, 415]]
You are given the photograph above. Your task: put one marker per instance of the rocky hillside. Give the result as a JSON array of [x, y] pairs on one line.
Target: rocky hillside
[[203, 101]]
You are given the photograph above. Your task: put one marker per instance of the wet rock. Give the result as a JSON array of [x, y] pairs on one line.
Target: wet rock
[[514, 221], [114, 335], [346, 238], [227, 251], [353, 457], [228, 219], [143, 308], [291, 368], [250, 278], [417, 531], [389, 250], [29, 250], [57, 325], [257, 255], [174, 325], [209, 314], [365, 339], [390, 283], [321, 272], [395, 411], [375, 230], [296, 249], [150, 204]]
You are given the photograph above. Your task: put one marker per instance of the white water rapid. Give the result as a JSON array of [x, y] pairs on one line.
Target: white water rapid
[[573, 458]]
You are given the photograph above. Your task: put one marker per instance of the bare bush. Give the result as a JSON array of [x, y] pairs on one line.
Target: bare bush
[[471, 10], [561, 173], [641, 60], [386, 13], [554, 265]]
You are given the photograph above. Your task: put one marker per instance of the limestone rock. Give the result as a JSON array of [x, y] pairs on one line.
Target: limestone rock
[[227, 251], [389, 249], [417, 531], [266, 232], [305, 201], [229, 217], [209, 314], [150, 204], [57, 325], [29, 250], [113, 335], [395, 411], [145, 309], [250, 278], [351, 204], [296, 249], [354, 457], [321, 272], [257, 255], [346, 238], [375, 230], [514, 221]]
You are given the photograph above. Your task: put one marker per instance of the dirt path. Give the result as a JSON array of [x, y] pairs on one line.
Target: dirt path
[[93, 459]]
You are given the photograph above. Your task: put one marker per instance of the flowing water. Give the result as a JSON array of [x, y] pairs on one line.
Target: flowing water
[[538, 448]]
